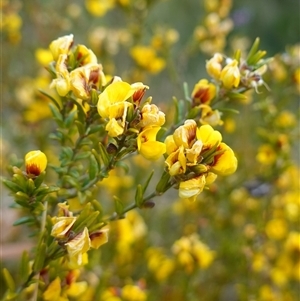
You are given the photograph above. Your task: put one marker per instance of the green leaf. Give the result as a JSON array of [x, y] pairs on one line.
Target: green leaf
[[9, 280], [80, 127], [70, 119], [119, 207], [24, 220], [51, 98], [21, 196], [39, 257], [84, 214], [163, 184], [56, 114], [30, 187], [24, 266], [139, 196], [93, 167], [82, 155], [103, 154], [145, 186], [253, 50], [11, 185], [95, 128], [40, 179]]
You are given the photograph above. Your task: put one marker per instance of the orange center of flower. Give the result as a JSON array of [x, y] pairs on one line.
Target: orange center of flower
[[33, 169]]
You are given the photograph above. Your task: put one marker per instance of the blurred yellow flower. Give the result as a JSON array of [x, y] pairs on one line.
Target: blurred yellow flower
[[266, 154], [85, 56], [43, 56], [146, 58], [286, 119], [276, 229], [133, 293], [53, 291], [99, 8], [35, 162]]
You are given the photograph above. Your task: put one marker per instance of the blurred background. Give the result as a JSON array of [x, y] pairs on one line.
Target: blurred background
[[246, 228]]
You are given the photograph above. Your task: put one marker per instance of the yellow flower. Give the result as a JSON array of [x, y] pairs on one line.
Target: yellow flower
[[112, 104], [185, 134], [225, 163], [83, 79], [53, 291], [285, 119], [190, 189], [210, 116], [36, 162], [276, 229], [266, 154], [148, 147], [151, 116], [214, 66], [99, 8], [99, 238], [61, 45], [62, 82], [176, 162], [115, 93], [208, 136], [62, 225], [85, 56], [43, 56], [79, 245], [230, 75], [133, 293], [203, 92], [147, 59]]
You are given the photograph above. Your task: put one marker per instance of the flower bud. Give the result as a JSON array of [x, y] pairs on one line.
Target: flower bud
[[230, 75], [36, 162]]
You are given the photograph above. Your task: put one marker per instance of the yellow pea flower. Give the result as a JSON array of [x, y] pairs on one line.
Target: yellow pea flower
[[84, 78], [210, 116], [35, 162], [230, 75], [61, 45], [185, 135], [225, 163], [53, 291], [147, 145], [85, 56], [176, 162], [79, 245], [203, 92], [208, 136], [214, 66], [115, 93], [133, 293], [151, 116], [190, 189], [146, 57], [99, 238], [62, 225], [62, 82]]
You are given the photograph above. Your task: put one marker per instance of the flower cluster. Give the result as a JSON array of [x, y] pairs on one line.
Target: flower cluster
[[76, 243], [195, 156]]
